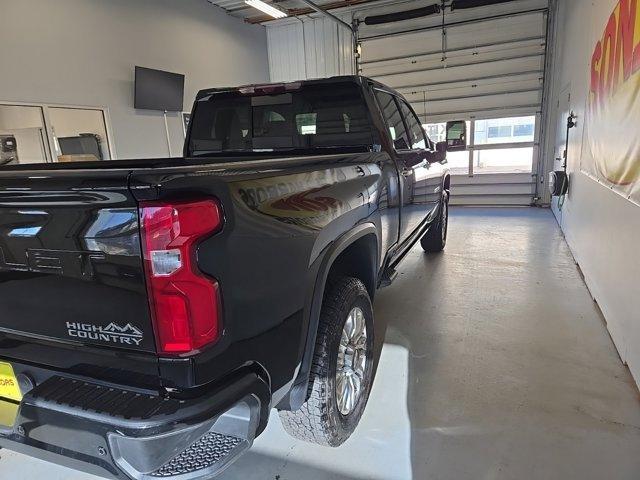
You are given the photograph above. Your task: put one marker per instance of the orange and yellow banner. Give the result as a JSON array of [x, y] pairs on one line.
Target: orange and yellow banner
[[612, 133]]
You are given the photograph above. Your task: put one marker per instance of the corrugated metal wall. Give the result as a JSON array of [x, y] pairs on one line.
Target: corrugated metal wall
[[310, 47]]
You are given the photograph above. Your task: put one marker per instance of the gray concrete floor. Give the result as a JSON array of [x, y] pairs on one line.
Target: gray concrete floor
[[496, 365]]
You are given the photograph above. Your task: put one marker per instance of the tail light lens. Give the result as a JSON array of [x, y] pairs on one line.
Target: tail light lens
[[185, 303]]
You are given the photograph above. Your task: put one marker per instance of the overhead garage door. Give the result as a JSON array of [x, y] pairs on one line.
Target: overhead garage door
[[485, 65]]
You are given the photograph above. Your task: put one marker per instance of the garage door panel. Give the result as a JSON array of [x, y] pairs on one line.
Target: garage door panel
[[476, 103], [459, 37], [491, 179], [452, 73], [510, 78], [466, 114], [482, 90], [514, 47], [491, 199], [504, 189], [455, 60]]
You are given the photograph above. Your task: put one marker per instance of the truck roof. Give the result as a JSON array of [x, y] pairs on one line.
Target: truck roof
[[359, 79]]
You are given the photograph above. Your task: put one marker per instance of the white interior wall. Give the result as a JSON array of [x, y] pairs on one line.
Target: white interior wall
[[83, 53], [601, 227]]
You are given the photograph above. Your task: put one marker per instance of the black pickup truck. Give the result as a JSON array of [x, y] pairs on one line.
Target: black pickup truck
[[153, 312]]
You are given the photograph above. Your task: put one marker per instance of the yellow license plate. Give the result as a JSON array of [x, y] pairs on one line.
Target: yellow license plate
[[9, 388], [8, 412]]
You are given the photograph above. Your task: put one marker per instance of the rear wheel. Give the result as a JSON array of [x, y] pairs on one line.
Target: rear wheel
[[436, 237], [342, 370]]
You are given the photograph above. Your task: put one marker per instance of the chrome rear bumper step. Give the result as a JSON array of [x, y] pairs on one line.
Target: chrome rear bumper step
[[205, 454]]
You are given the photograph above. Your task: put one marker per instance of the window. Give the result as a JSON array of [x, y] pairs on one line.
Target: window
[[504, 130], [494, 151], [437, 132], [306, 123], [416, 132], [458, 162], [80, 134], [496, 132], [523, 130], [22, 135], [505, 160], [274, 120], [315, 115], [394, 120]]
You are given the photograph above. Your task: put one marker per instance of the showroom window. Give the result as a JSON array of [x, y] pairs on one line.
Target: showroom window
[[23, 137], [497, 145], [44, 133], [80, 134]]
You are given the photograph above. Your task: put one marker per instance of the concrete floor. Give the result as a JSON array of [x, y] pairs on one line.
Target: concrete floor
[[496, 365]]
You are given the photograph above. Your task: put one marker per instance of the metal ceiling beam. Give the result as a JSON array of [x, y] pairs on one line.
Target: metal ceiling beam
[[331, 16], [296, 12]]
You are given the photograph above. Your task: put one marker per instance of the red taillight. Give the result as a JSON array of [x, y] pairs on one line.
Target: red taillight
[[185, 304]]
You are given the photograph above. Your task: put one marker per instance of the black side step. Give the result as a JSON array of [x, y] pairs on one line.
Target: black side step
[[388, 277]]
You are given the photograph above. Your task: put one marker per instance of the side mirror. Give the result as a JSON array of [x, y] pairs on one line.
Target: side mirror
[[456, 136], [438, 155]]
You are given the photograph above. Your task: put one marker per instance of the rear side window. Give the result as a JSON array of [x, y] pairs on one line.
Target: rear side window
[[315, 115], [416, 132], [393, 118]]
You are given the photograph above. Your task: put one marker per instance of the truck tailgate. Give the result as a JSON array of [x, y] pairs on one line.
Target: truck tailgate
[[70, 264]]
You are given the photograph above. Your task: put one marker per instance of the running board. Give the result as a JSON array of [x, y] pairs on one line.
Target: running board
[[388, 277]]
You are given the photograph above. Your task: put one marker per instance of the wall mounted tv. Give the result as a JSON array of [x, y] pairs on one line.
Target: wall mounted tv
[[158, 90]]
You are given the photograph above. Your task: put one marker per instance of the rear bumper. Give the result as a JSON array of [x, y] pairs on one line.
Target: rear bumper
[[117, 433]]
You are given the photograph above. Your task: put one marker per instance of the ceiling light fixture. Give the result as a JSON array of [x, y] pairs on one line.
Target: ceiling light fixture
[[266, 8]]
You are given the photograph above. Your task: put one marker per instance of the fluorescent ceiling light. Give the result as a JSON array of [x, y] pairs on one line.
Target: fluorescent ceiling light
[[266, 8]]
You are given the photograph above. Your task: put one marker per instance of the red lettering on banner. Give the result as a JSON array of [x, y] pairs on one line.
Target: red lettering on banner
[[608, 57], [595, 74], [615, 57], [624, 42]]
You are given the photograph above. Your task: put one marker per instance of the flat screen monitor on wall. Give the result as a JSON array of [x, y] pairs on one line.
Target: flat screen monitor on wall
[[158, 90]]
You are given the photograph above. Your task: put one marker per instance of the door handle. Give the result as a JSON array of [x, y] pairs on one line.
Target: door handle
[[406, 172]]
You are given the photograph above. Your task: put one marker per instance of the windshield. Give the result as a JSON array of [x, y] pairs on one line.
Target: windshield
[[315, 116]]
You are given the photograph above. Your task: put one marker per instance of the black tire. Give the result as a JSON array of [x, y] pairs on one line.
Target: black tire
[[436, 237], [320, 420]]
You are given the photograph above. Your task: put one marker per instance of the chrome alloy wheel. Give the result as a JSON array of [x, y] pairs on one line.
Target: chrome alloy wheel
[[352, 361]]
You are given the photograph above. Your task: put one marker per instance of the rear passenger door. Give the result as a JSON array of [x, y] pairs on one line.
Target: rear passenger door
[[408, 161]]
